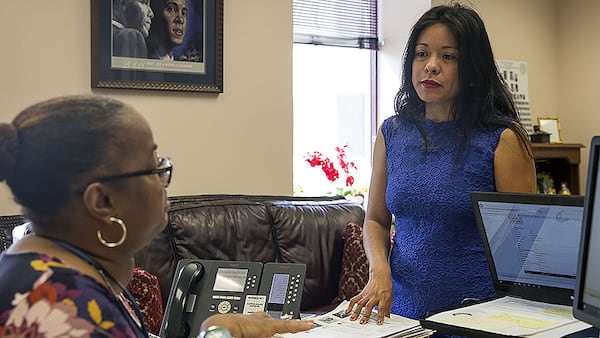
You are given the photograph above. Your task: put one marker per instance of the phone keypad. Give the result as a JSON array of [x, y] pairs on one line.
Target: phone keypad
[[224, 307], [251, 282], [293, 289]]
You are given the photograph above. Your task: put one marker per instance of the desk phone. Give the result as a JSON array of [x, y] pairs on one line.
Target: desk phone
[[202, 288]]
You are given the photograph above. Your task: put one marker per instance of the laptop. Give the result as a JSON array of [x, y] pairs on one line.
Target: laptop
[[531, 242]]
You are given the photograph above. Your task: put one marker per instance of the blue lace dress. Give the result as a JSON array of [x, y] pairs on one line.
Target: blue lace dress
[[437, 257]]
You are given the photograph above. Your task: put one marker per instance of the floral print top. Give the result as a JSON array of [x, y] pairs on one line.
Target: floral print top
[[42, 297]]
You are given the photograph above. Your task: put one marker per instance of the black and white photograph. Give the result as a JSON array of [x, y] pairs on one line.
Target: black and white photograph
[[158, 45]]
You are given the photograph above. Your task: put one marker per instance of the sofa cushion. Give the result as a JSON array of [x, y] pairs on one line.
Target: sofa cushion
[[355, 266], [312, 232], [227, 229]]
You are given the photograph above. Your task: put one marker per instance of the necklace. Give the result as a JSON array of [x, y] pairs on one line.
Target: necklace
[[122, 297]]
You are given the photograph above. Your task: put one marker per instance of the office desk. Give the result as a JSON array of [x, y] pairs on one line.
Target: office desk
[[561, 160]]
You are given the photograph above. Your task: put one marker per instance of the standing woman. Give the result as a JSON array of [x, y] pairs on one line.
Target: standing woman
[[86, 171], [456, 130]]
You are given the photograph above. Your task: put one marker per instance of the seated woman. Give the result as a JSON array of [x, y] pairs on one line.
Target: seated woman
[[86, 171], [143, 286]]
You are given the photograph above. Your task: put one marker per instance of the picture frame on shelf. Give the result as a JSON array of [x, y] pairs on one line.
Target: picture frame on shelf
[[195, 64], [551, 125]]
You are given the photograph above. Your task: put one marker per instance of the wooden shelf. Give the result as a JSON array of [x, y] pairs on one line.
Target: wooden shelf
[[561, 161]]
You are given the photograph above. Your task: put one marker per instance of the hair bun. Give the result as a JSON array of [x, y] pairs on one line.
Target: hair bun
[[8, 149]]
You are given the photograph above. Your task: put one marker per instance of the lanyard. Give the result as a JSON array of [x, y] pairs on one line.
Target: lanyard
[[103, 271]]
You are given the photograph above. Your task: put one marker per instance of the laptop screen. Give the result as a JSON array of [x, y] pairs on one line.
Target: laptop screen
[[531, 242]]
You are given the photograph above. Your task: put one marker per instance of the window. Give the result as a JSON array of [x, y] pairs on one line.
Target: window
[[333, 88]]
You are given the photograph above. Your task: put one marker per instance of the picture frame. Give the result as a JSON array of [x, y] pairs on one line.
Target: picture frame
[[551, 125], [196, 65]]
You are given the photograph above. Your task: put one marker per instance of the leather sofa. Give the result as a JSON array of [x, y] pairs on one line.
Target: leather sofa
[[307, 230]]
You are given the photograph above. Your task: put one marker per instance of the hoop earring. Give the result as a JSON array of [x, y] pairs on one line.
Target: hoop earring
[[120, 241]]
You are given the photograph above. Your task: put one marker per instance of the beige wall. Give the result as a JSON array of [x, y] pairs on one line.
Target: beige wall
[[241, 141], [397, 18], [559, 41], [236, 142], [579, 73], [526, 31]]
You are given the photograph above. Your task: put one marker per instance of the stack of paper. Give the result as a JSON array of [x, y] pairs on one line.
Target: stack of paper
[[337, 324], [506, 316]]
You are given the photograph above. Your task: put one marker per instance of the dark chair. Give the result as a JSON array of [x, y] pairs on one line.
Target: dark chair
[[7, 223]]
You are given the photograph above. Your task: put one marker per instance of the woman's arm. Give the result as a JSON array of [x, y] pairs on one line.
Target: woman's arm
[[254, 325], [376, 239], [514, 168]]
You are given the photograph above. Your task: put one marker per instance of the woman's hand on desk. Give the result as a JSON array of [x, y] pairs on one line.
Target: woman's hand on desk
[[377, 292], [258, 324]]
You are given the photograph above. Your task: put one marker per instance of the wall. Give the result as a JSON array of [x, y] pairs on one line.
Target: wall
[[241, 141], [525, 31], [559, 41], [236, 142], [397, 18], [578, 88]]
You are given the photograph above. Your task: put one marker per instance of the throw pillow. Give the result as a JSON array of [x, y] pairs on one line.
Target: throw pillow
[[146, 291], [355, 266]]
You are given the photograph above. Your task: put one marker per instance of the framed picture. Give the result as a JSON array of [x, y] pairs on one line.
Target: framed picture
[[551, 125], [174, 45]]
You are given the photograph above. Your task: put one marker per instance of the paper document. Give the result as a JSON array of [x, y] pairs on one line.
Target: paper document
[[337, 324], [508, 316]]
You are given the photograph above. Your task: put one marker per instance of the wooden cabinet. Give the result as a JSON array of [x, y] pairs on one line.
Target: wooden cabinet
[[561, 161]]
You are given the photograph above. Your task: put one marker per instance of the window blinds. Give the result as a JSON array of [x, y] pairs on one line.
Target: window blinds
[[344, 23]]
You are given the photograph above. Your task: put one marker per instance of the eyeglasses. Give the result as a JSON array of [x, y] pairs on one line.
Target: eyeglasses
[[164, 172]]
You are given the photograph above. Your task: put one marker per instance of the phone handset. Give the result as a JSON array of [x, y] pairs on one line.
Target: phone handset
[[183, 301]]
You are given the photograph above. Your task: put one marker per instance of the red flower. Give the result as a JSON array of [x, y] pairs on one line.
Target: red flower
[[316, 158], [330, 171]]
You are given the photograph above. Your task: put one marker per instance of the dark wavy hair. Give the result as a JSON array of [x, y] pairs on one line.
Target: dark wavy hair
[[52, 146], [483, 99]]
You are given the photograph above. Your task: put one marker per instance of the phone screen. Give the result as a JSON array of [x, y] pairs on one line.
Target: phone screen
[[279, 286], [230, 280]]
